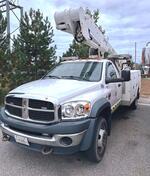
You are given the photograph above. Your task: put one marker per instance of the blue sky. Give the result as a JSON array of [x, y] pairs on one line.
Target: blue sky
[[125, 22]]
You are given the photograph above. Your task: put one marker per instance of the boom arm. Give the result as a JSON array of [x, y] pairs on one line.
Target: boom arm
[[78, 23]]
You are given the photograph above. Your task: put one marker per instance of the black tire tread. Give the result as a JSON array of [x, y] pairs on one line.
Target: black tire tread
[[91, 153]]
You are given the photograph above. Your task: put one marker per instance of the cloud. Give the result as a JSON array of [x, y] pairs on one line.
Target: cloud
[[125, 22]]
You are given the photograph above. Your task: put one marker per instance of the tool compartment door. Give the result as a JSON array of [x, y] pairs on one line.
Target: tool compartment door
[[131, 88]]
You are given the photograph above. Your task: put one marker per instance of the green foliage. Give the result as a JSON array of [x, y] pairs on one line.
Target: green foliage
[[3, 24], [33, 52], [95, 14], [4, 58], [79, 49], [34, 47]]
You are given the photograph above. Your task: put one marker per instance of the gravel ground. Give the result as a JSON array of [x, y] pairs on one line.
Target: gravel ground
[[127, 154]]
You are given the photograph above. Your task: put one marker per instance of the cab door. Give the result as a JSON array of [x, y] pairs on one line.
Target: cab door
[[115, 87]]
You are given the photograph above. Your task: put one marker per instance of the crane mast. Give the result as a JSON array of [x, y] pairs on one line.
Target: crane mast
[[84, 30]]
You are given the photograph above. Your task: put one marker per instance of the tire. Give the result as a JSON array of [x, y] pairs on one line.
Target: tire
[[98, 147], [134, 104]]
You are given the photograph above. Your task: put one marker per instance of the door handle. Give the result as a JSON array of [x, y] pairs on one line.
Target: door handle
[[119, 85]]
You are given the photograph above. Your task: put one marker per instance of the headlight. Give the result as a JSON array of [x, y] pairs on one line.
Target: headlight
[[76, 110], [69, 110]]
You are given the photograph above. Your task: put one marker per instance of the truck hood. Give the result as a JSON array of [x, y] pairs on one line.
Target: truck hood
[[59, 89]]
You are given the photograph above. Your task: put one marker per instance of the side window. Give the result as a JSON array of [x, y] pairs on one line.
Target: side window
[[110, 71]]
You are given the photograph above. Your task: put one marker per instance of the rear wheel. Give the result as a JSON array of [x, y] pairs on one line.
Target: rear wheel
[[134, 104], [97, 149]]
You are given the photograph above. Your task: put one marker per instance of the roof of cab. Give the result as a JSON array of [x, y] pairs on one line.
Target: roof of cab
[[86, 60]]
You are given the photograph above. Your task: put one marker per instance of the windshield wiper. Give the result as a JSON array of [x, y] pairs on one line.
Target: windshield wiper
[[71, 77], [53, 76], [75, 78]]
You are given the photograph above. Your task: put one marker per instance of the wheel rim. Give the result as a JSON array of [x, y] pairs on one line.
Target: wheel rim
[[102, 139]]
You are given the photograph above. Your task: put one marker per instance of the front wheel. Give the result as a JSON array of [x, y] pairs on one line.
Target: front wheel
[[97, 149]]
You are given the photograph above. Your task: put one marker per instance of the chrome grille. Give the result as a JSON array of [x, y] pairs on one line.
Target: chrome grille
[[40, 104], [36, 115], [30, 109], [14, 101], [13, 110]]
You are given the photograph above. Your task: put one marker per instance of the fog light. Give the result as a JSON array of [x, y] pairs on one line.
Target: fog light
[[66, 141]]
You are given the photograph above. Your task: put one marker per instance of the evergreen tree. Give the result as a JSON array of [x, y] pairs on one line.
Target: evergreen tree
[[80, 49], [34, 47], [4, 59], [95, 14], [77, 49], [3, 24]]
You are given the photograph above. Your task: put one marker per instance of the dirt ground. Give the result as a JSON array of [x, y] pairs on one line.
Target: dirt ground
[[145, 88]]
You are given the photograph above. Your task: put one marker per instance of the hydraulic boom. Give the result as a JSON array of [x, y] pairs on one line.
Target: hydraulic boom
[[81, 25]]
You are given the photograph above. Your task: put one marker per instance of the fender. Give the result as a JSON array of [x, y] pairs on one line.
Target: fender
[[98, 108]]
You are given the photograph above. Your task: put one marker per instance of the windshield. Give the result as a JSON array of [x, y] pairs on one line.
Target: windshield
[[83, 71]]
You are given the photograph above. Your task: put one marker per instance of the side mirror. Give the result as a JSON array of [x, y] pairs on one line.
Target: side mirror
[[126, 75], [114, 80]]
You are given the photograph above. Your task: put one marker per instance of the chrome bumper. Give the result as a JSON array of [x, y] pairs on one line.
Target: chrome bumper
[[44, 140]]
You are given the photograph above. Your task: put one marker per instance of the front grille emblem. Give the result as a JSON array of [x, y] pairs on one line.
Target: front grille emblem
[[25, 108]]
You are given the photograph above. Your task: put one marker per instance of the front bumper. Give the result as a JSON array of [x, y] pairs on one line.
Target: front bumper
[[54, 140], [80, 134]]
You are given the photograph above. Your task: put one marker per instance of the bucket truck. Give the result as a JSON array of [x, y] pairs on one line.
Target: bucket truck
[[70, 108]]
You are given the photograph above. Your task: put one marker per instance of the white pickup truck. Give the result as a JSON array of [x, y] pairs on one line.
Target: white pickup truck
[[70, 108]]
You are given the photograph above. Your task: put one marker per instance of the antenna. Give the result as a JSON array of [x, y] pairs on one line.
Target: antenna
[[7, 6]]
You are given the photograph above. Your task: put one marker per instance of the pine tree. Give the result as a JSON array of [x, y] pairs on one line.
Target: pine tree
[[4, 59], [95, 14], [77, 49], [34, 46], [80, 49], [3, 24]]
